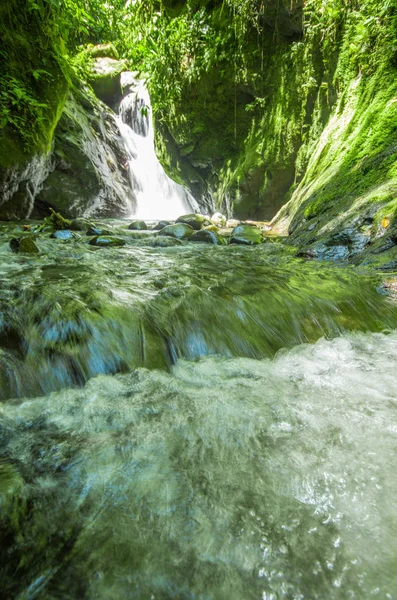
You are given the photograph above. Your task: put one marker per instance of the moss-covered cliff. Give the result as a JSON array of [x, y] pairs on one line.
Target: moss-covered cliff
[[264, 106]]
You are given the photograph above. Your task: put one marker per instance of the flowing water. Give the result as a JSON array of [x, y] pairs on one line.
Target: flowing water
[[192, 421], [157, 196]]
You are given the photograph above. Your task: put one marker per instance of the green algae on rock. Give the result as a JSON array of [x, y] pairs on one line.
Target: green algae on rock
[[107, 241], [246, 234], [180, 231], [194, 220], [207, 236]]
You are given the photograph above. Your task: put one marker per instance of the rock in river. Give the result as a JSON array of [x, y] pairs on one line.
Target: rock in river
[[246, 234], [161, 224], [205, 235], [62, 234], [181, 231], [195, 221], [25, 245], [219, 220], [138, 226], [107, 241]]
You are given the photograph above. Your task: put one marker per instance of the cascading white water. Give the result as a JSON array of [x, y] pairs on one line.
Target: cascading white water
[[158, 196]]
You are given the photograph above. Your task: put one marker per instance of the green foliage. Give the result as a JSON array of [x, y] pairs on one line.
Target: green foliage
[[38, 39]]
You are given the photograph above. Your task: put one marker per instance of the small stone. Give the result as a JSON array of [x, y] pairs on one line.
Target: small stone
[[213, 228], [106, 241], [62, 234], [207, 236], [218, 219], [181, 231], [138, 226], [195, 221], [246, 234]]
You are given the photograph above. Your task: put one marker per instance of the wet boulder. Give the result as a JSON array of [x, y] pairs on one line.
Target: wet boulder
[[206, 236], [62, 234], [138, 226], [81, 224], [161, 224], [212, 228], [25, 245], [218, 219], [232, 223], [195, 221], [96, 231], [246, 234], [107, 241], [105, 79], [180, 231]]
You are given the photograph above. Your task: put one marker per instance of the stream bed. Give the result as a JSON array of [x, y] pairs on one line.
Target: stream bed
[[194, 422]]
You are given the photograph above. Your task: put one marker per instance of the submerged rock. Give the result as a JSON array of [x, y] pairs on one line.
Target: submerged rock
[[219, 220], [246, 234], [194, 220], [181, 231], [26, 245], [98, 231], [64, 234], [138, 226], [107, 241], [207, 236]]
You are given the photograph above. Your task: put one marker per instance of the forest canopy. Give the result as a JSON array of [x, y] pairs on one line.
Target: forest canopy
[[171, 43]]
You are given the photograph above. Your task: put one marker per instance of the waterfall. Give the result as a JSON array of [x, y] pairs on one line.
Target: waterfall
[[157, 195]]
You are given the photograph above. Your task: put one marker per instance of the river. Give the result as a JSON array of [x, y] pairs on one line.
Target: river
[[194, 422]]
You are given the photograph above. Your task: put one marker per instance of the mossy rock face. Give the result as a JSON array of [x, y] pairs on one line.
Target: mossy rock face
[[107, 241], [103, 51], [195, 221], [206, 236], [106, 81], [90, 164], [138, 226], [180, 231], [246, 234]]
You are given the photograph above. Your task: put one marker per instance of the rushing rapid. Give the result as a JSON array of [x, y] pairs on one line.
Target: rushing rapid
[[191, 421]]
